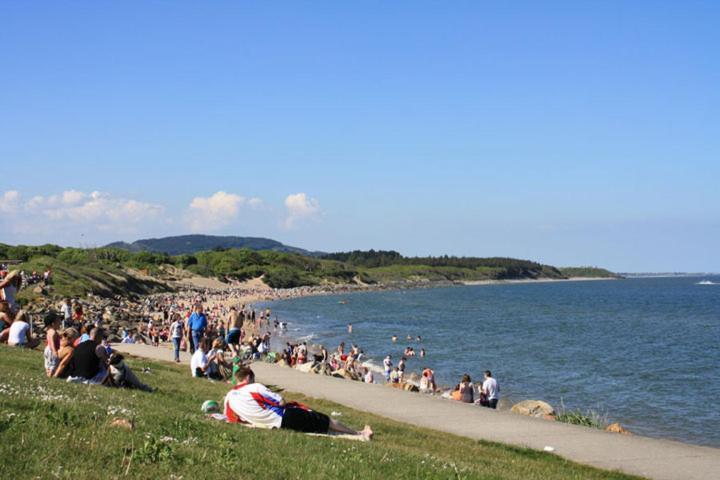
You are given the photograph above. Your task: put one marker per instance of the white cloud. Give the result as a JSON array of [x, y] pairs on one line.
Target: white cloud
[[10, 202], [74, 208], [300, 207], [216, 211]]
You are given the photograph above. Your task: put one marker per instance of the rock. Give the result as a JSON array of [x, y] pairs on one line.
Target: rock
[[122, 423], [409, 387], [533, 408], [304, 367], [617, 428]]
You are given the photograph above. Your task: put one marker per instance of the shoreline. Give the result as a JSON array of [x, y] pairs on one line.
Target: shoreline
[[276, 294], [646, 456]]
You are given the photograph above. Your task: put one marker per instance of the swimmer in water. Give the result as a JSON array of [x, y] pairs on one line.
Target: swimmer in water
[[394, 338], [349, 327]]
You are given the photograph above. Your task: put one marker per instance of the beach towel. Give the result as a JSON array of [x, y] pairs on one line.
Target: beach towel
[[222, 418]]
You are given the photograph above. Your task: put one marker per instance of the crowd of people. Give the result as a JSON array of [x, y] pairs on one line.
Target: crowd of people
[[220, 336]]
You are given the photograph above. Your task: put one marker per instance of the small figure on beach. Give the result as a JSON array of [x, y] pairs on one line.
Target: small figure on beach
[[466, 389], [427, 381], [490, 390], [387, 365]]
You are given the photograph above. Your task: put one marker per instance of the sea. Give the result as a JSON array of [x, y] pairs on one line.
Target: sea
[[644, 352]]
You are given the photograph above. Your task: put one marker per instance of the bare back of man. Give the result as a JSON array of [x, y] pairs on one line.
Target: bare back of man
[[234, 329]]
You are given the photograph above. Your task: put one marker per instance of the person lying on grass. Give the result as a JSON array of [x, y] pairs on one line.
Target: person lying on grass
[[254, 403]]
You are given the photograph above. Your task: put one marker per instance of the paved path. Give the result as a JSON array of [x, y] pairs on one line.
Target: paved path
[[653, 458]]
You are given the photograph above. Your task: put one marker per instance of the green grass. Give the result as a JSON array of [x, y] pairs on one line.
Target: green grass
[[51, 429], [588, 418], [76, 280]]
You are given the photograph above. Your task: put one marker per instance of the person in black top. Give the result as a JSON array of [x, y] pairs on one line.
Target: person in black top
[[85, 366]]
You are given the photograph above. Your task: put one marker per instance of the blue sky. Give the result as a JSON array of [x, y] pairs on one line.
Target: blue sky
[[572, 133]]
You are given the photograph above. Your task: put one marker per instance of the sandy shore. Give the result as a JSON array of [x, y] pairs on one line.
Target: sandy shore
[[541, 280], [256, 291]]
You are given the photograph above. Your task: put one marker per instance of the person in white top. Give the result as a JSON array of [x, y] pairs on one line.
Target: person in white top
[[19, 335], [177, 330], [66, 310], [199, 362], [491, 390], [254, 403], [387, 363]]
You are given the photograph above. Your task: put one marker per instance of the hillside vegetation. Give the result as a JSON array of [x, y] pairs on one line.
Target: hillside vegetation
[[109, 271], [587, 272], [189, 244]]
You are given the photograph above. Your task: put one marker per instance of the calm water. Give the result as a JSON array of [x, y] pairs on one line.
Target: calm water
[[645, 352]]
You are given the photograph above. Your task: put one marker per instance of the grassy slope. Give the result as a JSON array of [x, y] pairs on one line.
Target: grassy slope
[[104, 279], [50, 428]]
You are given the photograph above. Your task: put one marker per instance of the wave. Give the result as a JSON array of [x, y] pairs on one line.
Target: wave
[[707, 282], [375, 368]]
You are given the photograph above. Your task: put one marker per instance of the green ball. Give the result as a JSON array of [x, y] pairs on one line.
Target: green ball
[[210, 406]]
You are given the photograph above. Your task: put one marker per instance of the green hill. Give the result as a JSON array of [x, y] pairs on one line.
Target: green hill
[[114, 271], [187, 244], [588, 272]]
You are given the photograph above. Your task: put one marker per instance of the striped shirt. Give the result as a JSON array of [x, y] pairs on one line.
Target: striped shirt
[[255, 404]]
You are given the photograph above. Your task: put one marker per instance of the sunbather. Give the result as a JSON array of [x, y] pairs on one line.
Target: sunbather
[[254, 403]]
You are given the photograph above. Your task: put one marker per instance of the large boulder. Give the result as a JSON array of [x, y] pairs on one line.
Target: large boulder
[[304, 367], [617, 428], [533, 408]]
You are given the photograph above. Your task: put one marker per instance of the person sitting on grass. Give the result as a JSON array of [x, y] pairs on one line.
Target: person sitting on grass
[[19, 334], [85, 366], [200, 365], [65, 353], [122, 376], [254, 403], [219, 367]]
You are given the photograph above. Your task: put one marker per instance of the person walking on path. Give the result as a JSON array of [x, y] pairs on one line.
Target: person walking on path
[[176, 333], [491, 390], [197, 323]]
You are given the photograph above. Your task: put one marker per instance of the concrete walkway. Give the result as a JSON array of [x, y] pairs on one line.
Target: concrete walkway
[[652, 458]]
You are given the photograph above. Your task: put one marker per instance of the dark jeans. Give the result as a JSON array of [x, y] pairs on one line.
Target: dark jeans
[[196, 336], [492, 403]]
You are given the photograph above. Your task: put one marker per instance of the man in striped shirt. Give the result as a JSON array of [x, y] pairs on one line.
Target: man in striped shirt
[[254, 403]]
